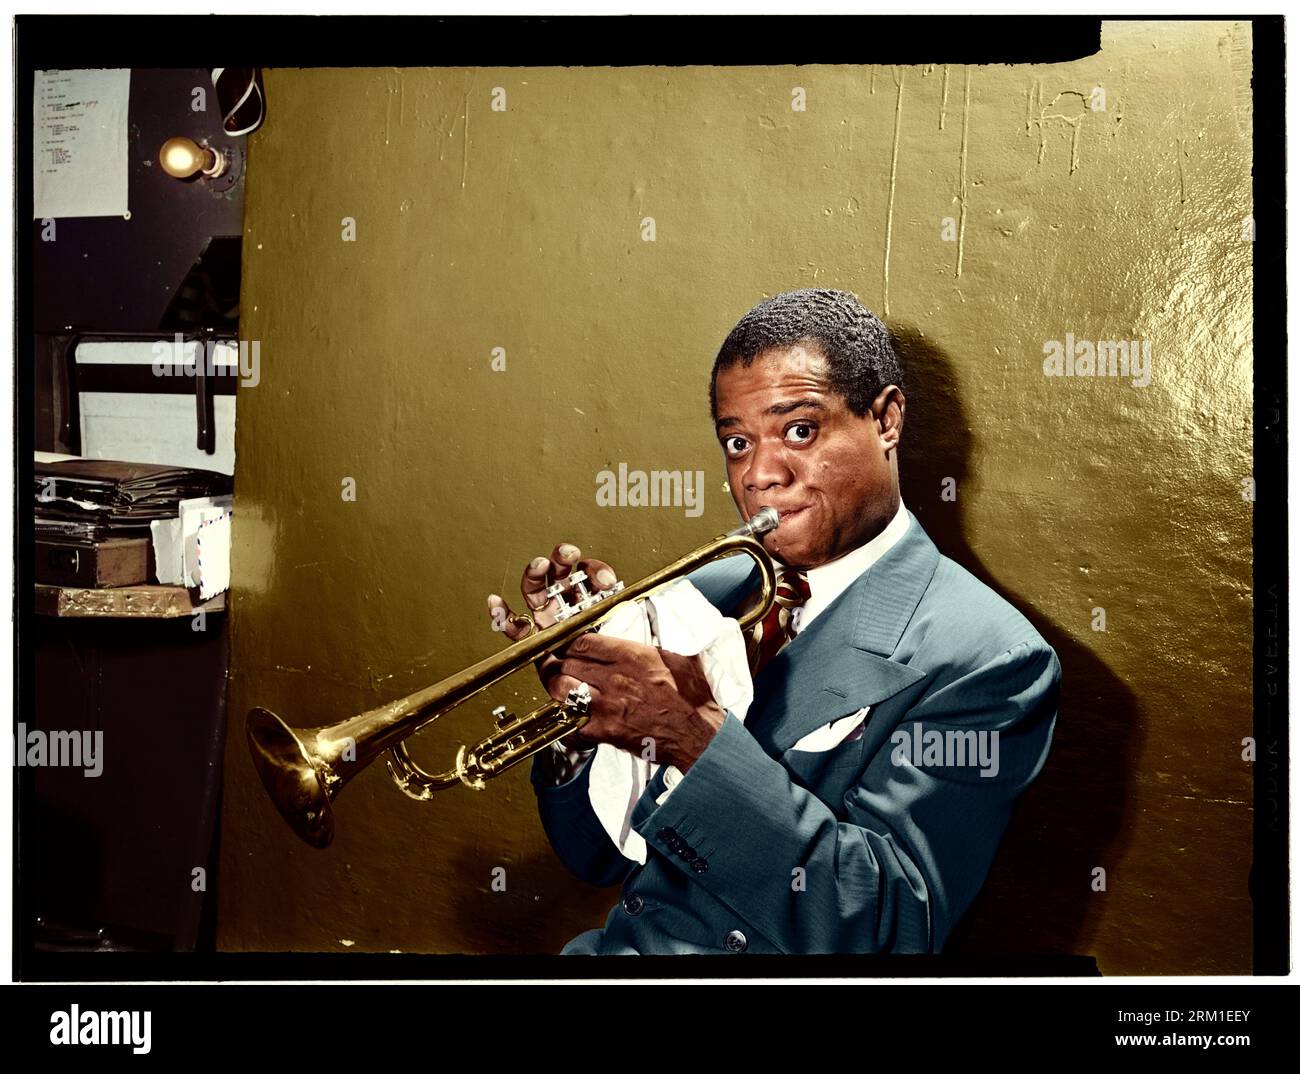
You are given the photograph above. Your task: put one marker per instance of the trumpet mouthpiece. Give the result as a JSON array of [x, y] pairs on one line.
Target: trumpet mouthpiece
[[765, 521]]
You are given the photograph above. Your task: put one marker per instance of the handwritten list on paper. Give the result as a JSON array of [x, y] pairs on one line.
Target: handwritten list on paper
[[79, 158]]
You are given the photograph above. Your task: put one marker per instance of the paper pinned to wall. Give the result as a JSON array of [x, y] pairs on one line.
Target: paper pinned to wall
[[79, 158]]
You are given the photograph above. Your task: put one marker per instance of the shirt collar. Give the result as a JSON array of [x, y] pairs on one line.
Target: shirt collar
[[828, 581]]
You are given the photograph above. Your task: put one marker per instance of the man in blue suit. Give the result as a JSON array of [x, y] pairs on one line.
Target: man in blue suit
[[900, 705]]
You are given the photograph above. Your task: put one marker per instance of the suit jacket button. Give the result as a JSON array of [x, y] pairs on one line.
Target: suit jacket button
[[700, 865], [667, 835], [633, 903], [735, 941]]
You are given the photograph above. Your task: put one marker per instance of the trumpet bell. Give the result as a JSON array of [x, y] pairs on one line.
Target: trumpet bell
[[290, 778], [304, 771]]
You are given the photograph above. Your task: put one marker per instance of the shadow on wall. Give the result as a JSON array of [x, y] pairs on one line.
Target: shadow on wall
[[537, 914], [1038, 896]]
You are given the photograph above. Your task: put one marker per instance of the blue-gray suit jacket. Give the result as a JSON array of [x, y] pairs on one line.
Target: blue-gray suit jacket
[[872, 846]]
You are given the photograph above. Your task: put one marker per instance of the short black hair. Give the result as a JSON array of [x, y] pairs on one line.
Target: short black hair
[[854, 341]]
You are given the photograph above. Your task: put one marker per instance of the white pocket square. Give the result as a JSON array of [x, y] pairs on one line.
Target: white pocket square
[[830, 735]]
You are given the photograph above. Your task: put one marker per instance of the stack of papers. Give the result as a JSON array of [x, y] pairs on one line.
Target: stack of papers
[[91, 499]]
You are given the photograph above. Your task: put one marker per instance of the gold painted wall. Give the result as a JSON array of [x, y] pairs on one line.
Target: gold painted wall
[[522, 229]]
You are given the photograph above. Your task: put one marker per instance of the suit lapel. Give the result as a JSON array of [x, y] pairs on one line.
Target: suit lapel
[[819, 677], [841, 661]]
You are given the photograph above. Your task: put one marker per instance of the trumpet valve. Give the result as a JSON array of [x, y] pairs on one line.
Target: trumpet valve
[[503, 717], [576, 586]]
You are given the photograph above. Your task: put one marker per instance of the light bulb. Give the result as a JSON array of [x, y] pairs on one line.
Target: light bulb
[[183, 157]]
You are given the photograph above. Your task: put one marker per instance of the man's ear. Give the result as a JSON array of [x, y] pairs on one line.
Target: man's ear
[[888, 408]]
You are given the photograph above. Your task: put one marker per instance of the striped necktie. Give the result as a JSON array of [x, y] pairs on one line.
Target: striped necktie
[[771, 635]]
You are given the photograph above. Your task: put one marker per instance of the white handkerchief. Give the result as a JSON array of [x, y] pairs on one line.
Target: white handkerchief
[[677, 618], [830, 735]]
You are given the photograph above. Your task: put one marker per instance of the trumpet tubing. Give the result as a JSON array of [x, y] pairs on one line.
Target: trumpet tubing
[[304, 770]]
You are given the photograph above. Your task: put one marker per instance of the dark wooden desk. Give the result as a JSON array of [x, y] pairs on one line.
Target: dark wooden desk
[[112, 858]]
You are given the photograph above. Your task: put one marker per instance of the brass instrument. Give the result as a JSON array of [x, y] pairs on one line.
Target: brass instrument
[[304, 770]]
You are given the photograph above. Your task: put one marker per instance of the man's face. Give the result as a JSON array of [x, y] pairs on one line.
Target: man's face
[[791, 442]]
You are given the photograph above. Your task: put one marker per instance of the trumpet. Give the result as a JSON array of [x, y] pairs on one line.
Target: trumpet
[[304, 770]]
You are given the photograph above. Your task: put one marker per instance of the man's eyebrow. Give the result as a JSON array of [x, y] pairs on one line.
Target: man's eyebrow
[[795, 404], [776, 408]]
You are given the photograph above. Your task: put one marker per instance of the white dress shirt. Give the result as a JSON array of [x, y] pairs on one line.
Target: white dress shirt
[[828, 581]]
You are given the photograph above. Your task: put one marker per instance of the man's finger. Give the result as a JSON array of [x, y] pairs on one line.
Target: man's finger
[[599, 648], [547, 665], [503, 619], [589, 734], [594, 675], [561, 683], [600, 575], [542, 573], [534, 582], [564, 557]]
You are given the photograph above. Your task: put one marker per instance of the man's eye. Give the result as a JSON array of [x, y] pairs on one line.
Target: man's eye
[[801, 433], [735, 445]]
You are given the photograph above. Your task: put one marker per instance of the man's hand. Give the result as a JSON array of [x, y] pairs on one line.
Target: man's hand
[[539, 576], [639, 692]]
